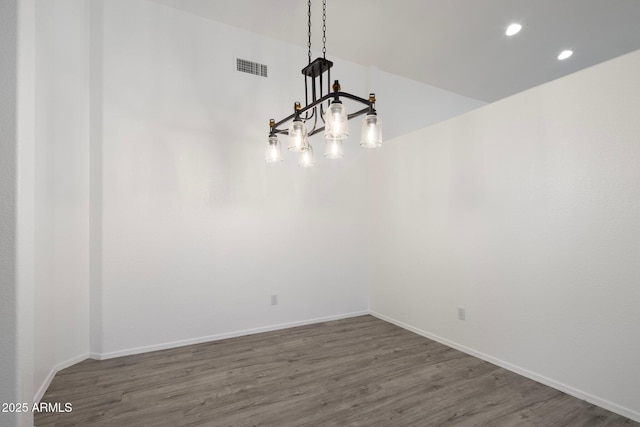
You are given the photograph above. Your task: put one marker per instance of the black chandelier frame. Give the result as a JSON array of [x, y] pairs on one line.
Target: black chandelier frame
[[314, 73]]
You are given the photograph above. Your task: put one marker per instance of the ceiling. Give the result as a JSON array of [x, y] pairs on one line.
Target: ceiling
[[457, 45]]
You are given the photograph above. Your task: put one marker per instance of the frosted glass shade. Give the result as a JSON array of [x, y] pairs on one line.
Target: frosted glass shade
[[273, 152], [371, 136], [336, 121], [333, 149], [298, 138], [306, 158]]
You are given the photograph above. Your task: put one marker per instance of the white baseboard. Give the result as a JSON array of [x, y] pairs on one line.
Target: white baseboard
[[57, 368], [199, 340], [625, 412]]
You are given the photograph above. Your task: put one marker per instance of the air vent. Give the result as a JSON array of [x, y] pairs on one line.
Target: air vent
[[251, 67]]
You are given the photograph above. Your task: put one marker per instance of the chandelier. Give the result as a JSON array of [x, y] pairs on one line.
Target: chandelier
[[323, 101]]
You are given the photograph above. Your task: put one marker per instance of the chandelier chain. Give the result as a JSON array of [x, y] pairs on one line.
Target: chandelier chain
[[309, 29], [324, 29]]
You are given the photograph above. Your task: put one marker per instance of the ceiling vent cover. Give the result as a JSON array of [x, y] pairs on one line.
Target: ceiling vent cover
[[251, 67]]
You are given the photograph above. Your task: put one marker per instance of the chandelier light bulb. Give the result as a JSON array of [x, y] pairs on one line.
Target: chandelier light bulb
[[336, 118], [333, 149], [371, 134], [298, 138], [273, 152], [306, 158], [337, 122]]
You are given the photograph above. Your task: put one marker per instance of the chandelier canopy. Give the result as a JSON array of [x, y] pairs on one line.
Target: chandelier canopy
[[324, 101]]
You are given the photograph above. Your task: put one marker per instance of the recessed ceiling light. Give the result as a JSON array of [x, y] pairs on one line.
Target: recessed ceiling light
[[565, 54], [513, 29]]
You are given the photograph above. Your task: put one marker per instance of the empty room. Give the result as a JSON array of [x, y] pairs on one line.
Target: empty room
[[326, 212]]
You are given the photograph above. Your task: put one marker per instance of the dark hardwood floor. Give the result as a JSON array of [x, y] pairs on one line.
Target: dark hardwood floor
[[354, 372]]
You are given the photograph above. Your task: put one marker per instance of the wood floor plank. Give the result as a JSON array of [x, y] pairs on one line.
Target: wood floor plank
[[360, 371]]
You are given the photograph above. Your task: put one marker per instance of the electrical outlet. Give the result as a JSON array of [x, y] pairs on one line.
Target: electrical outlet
[[462, 313], [274, 299]]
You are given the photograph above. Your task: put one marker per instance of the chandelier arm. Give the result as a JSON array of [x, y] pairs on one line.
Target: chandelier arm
[[306, 99], [313, 96], [359, 113], [308, 116], [303, 110], [315, 119], [306, 92], [350, 116], [328, 92], [316, 131], [320, 101], [321, 88], [328, 82], [348, 95], [283, 121]]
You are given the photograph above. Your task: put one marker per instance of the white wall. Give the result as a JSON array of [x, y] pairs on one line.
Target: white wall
[[25, 232], [406, 105], [61, 186], [525, 212], [95, 176], [197, 231], [17, 208], [9, 392]]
